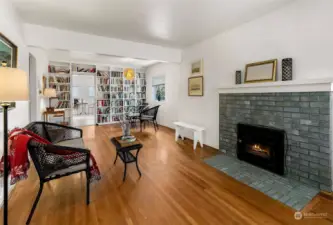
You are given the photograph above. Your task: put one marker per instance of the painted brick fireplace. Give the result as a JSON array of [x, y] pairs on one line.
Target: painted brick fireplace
[[305, 118]]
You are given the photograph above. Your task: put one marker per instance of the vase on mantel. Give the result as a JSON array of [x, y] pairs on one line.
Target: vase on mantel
[[287, 69], [238, 77]]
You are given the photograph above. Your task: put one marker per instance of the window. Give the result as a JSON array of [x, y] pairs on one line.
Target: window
[[158, 88]]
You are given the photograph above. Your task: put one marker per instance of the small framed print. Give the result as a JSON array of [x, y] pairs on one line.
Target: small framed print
[[195, 86], [8, 52], [197, 68]]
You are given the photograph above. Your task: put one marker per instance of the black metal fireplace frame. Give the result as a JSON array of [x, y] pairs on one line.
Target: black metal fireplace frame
[[273, 137]]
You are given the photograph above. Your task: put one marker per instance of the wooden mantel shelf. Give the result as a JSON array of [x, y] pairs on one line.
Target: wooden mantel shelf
[[310, 85]]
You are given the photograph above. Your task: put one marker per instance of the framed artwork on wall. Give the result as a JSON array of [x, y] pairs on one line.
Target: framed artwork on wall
[[195, 86], [8, 52], [261, 71], [197, 68]]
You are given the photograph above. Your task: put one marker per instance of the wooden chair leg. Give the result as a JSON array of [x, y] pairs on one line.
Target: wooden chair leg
[[88, 186], [35, 203]]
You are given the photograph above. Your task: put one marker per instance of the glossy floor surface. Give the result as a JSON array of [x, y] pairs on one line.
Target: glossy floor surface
[[176, 188]]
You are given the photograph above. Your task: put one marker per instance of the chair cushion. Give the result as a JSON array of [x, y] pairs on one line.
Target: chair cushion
[[74, 143], [147, 117], [70, 169]]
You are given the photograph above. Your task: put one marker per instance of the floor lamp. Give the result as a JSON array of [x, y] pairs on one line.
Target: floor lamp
[[13, 87]]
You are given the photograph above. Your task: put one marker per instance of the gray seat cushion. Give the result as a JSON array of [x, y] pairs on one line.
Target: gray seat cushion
[[70, 169], [74, 143]]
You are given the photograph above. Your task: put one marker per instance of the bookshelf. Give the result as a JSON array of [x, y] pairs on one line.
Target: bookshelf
[[103, 96], [140, 89], [115, 97], [59, 77], [117, 94]]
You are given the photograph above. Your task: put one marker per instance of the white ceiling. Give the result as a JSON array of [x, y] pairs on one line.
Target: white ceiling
[[99, 59], [174, 23]]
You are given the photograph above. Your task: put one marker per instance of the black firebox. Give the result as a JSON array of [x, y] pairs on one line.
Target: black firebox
[[261, 146]]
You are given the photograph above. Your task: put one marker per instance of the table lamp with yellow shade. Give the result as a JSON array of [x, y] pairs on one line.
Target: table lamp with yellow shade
[[129, 74], [13, 87], [50, 93]]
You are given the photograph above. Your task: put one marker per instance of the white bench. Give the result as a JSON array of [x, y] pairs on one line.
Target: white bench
[[198, 133]]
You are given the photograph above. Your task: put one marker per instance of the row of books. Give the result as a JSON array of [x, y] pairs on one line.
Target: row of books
[[102, 103], [116, 110], [115, 81], [129, 82], [103, 81], [117, 89], [117, 118], [59, 79], [103, 73], [103, 118], [117, 95], [58, 69], [86, 70], [103, 88], [129, 102], [129, 95], [129, 109], [116, 74], [64, 96], [129, 89], [140, 75], [103, 110], [117, 103], [63, 105], [140, 95]]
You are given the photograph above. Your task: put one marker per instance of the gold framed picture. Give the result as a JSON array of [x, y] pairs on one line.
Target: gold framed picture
[[195, 86], [197, 68], [261, 71], [8, 52]]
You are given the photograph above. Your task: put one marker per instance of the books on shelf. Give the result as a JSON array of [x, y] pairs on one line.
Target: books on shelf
[[63, 105]]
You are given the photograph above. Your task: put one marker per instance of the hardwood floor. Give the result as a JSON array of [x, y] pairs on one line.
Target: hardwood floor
[[176, 188]]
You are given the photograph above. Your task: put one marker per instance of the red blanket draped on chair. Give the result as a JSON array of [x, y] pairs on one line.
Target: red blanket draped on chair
[[18, 161]]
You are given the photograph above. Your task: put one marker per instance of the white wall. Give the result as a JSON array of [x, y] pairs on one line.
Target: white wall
[[41, 70], [10, 26], [167, 113], [302, 30], [52, 38]]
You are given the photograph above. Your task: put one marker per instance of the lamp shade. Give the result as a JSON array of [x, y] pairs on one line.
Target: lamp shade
[[50, 92], [129, 74], [13, 85]]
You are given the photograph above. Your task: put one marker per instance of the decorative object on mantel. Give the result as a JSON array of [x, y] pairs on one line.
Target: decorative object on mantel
[[261, 71], [8, 52], [287, 69], [197, 68], [238, 77], [195, 86]]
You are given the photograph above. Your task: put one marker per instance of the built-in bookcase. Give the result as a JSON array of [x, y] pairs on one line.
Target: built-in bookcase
[[103, 96], [115, 96], [140, 90], [60, 79]]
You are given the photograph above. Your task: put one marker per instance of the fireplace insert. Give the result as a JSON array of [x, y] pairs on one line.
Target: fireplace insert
[[261, 146]]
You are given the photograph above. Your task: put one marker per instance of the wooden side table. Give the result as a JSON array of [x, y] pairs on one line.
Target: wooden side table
[[124, 149], [57, 113]]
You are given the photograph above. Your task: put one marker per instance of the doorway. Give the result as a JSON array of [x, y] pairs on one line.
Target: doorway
[[83, 92]]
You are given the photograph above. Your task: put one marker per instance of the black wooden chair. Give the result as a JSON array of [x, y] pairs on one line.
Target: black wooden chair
[[149, 115], [51, 166]]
